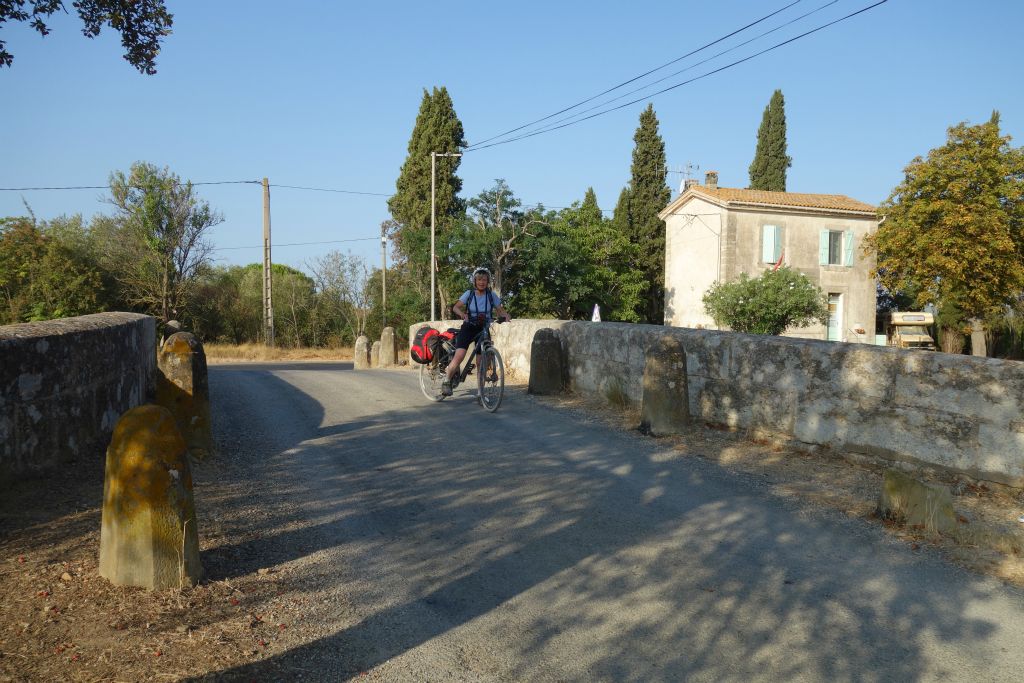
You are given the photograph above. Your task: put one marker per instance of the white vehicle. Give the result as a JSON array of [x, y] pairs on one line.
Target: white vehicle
[[910, 331]]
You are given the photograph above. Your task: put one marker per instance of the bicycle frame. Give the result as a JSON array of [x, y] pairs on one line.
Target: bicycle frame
[[480, 342]]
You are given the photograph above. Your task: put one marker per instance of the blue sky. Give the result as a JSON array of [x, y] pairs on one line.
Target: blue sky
[[325, 95]]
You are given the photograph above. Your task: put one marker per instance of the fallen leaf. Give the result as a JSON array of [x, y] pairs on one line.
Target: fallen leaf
[[21, 559], [65, 577]]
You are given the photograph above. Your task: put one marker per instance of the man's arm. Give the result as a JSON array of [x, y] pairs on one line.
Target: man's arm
[[502, 313], [459, 309]]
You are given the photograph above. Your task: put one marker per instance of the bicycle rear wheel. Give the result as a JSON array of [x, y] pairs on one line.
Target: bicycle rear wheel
[[431, 378], [490, 379]]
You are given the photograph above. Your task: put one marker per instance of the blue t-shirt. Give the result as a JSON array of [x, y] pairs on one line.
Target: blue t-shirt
[[479, 303]]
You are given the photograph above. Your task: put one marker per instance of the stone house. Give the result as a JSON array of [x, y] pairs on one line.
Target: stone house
[[715, 233]]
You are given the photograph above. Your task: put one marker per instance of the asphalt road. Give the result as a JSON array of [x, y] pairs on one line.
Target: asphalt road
[[439, 542]]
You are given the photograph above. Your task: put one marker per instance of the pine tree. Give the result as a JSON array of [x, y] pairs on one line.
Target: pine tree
[[648, 195], [437, 129], [768, 169]]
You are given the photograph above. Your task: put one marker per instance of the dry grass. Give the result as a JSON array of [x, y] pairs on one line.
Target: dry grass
[[226, 353]]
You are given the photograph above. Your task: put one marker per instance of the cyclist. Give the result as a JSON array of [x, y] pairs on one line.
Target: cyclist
[[474, 307]]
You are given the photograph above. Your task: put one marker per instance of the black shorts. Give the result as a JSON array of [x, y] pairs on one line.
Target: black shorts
[[467, 334]]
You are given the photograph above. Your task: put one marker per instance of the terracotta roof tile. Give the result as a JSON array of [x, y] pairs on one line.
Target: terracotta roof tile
[[835, 202]]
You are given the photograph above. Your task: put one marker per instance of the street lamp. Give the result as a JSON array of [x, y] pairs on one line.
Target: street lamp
[[433, 210]]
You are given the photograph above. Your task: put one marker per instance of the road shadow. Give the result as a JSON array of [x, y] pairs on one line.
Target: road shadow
[[553, 535]]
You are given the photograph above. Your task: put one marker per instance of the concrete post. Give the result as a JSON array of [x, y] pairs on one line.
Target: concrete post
[[915, 503], [362, 353], [665, 405], [375, 355], [183, 388], [148, 535], [545, 363], [388, 348]]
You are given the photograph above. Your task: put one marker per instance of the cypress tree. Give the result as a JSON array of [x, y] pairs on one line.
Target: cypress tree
[[648, 195], [437, 129], [768, 170]]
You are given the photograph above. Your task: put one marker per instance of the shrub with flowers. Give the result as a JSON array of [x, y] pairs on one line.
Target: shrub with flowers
[[768, 304]]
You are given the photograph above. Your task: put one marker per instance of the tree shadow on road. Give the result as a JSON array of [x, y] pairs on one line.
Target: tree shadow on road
[[584, 552]]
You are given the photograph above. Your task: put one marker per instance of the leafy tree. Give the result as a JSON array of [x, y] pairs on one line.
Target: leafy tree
[[342, 282], [953, 229], [768, 304], [437, 129], [768, 170], [141, 23], [155, 244], [648, 195], [44, 274]]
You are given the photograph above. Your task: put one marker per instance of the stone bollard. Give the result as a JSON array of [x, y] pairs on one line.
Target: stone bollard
[[182, 386], [375, 355], [148, 535], [545, 363], [362, 353], [907, 500], [665, 405], [388, 348]]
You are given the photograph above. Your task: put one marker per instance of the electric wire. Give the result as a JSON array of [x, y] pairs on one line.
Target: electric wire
[[689, 68], [635, 78], [298, 244], [678, 85], [324, 189], [107, 187]]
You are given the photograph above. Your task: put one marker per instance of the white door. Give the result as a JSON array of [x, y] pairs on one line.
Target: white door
[[835, 317]]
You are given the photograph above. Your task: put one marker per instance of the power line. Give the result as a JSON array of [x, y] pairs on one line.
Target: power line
[[678, 85], [324, 189], [298, 244], [635, 78], [692, 66], [107, 187]]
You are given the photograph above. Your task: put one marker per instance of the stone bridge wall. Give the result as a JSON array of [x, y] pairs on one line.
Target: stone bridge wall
[[64, 383], [959, 413]]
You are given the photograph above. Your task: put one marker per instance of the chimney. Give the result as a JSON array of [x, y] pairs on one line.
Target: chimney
[[711, 180], [688, 183]]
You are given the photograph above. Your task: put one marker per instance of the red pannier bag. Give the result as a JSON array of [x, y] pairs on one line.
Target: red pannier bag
[[423, 345]]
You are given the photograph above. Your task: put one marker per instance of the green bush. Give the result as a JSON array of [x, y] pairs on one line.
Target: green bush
[[768, 304]]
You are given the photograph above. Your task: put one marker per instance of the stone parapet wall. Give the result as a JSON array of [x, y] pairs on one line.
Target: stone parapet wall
[[64, 384], [958, 413]]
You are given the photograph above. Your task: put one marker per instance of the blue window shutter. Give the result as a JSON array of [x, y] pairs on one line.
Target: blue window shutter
[[777, 254], [848, 248], [767, 243], [823, 248]]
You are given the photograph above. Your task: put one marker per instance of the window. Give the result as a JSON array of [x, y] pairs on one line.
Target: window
[[771, 243], [836, 248]]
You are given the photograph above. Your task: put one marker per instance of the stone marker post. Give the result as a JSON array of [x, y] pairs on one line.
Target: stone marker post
[[362, 353], [182, 386], [148, 535], [375, 355], [916, 503], [388, 349], [665, 405], [545, 363]]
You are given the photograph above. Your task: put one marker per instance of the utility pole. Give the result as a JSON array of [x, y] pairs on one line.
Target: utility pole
[[384, 275], [433, 211], [268, 294]]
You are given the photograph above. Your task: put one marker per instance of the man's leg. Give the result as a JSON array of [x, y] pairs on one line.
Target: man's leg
[[453, 367], [451, 370]]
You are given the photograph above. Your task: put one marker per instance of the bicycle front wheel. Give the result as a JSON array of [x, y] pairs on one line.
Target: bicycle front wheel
[[491, 379], [431, 379]]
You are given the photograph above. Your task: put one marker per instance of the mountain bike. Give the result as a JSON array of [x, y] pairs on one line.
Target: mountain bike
[[490, 377]]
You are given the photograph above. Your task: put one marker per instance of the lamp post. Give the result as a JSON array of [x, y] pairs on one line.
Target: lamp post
[[433, 210]]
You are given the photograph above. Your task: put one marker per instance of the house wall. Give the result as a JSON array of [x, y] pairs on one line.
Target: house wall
[[694, 242], [800, 242]]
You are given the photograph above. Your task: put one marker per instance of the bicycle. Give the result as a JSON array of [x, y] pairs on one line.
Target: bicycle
[[490, 380]]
